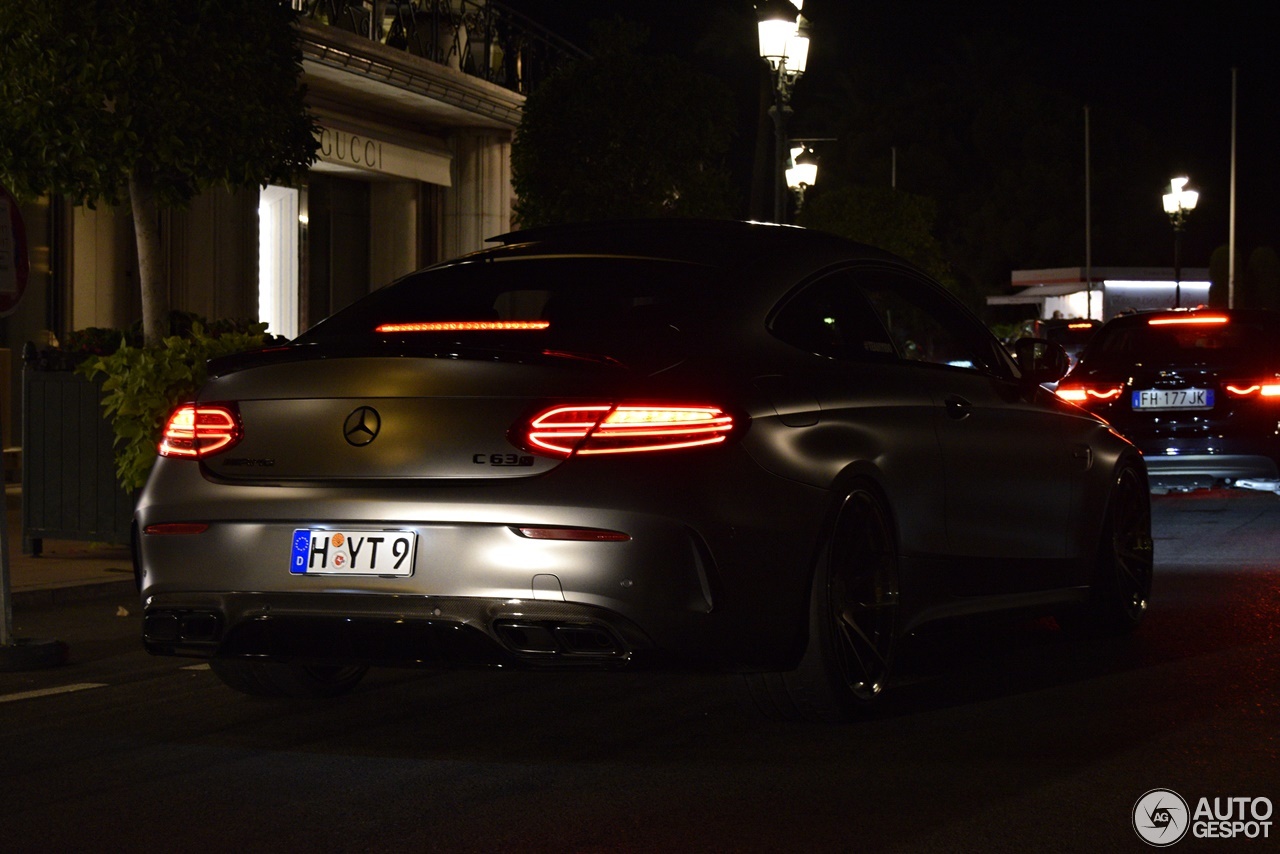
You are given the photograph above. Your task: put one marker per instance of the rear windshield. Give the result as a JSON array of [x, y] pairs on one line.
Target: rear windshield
[[1069, 336], [1212, 344], [606, 305]]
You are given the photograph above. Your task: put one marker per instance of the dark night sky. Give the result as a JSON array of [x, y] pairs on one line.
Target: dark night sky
[[1168, 66]]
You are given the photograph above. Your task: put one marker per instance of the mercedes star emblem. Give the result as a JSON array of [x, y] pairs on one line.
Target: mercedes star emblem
[[362, 426]]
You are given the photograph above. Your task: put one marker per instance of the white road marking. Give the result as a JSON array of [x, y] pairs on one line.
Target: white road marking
[[46, 692]]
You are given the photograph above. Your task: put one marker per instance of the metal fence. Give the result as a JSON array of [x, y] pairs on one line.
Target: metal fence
[[482, 39]]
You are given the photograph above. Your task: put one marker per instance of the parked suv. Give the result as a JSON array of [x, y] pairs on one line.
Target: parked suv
[[1198, 391], [1072, 333]]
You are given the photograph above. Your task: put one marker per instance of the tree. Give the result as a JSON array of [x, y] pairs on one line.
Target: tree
[[1264, 278], [892, 220], [622, 135], [962, 120], [150, 100]]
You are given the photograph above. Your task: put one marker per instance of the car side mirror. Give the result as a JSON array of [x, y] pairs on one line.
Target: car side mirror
[[1040, 360]]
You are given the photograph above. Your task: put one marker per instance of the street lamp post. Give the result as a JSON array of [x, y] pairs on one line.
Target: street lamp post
[[1178, 203], [785, 47], [802, 173]]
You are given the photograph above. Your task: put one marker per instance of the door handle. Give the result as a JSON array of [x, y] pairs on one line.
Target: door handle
[[957, 407]]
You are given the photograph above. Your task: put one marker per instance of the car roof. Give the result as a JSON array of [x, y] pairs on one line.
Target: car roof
[[1263, 315], [717, 242]]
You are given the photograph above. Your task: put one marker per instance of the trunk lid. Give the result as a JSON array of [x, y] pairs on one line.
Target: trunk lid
[[378, 418]]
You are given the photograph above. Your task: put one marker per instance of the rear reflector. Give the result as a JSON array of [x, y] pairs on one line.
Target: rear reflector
[[631, 428], [198, 431], [176, 528], [465, 326], [595, 535]]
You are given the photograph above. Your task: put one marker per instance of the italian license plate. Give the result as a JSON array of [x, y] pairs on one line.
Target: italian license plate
[[1182, 398], [329, 552]]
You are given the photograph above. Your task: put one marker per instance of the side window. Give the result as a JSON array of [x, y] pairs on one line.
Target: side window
[[927, 327], [832, 317]]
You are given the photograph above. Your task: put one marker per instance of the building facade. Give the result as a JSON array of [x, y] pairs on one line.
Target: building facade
[[416, 102], [1103, 292]]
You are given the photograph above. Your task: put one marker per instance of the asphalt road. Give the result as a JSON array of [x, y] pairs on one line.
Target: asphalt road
[[1011, 737]]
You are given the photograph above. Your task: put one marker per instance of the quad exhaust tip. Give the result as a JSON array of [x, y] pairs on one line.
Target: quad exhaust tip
[[559, 639], [182, 626]]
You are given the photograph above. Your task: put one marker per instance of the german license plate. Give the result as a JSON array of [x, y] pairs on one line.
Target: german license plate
[[1166, 398], [329, 552]]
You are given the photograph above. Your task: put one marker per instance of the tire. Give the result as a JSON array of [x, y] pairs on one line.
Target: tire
[[1121, 588], [275, 679], [853, 621]]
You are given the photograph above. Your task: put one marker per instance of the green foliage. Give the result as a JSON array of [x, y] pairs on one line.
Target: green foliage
[[196, 93], [144, 383], [623, 135], [967, 125], [1264, 278], [1257, 280], [892, 220]]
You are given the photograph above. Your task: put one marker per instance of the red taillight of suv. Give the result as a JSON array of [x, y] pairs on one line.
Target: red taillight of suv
[[1268, 389], [626, 428], [195, 431], [1090, 394]]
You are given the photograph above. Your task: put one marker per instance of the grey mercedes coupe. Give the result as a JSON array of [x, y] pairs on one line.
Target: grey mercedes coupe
[[718, 445]]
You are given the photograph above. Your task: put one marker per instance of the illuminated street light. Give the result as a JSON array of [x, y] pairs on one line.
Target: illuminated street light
[[803, 173], [784, 45], [1178, 203]]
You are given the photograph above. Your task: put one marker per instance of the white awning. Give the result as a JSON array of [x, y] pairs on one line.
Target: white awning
[[1038, 293]]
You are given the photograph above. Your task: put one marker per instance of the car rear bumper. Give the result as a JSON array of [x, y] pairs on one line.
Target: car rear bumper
[[392, 630], [1200, 470], [714, 578]]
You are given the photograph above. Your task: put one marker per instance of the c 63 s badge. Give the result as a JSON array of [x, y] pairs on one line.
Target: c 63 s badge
[[502, 460]]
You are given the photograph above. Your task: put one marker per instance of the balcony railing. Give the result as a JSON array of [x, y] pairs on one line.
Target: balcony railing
[[482, 39]]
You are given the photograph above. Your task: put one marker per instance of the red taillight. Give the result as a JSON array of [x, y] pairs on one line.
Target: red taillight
[[465, 326], [198, 431], [1090, 393], [1268, 389], [608, 429], [1190, 319]]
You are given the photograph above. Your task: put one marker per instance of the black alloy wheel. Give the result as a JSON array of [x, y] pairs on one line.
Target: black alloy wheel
[[861, 597], [1123, 570], [1129, 555], [853, 622]]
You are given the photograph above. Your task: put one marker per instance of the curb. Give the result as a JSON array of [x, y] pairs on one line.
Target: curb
[[51, 597], [32, 654]]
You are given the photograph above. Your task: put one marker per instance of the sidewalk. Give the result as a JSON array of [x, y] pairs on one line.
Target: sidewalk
[[66, 571]]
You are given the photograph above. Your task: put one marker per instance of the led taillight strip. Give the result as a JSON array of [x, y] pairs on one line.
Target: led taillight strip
[[1190, 319], [198, 431], [464, 326], [1082, 394], [1263, 389], [603, 429]]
